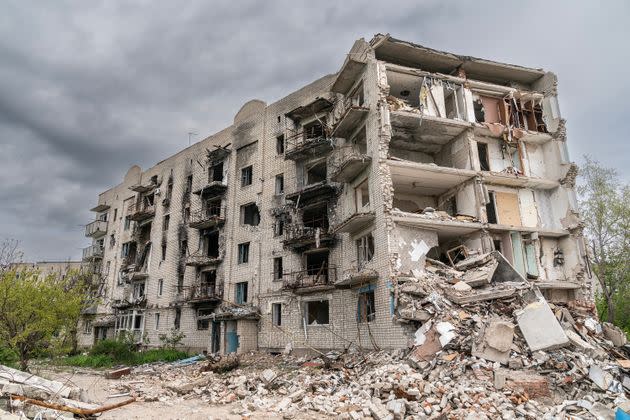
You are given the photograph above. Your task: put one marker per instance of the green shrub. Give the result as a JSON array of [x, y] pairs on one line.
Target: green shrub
[[88, 361], [132, 359], [8, 356], [119, 349]]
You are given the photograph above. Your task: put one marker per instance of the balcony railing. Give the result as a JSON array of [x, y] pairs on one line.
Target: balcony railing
[[92, 252], [140, 211], [310, 232], [208, 217], [202, 292], [311, 279], [347, 162], [96, 229], [313, 142]]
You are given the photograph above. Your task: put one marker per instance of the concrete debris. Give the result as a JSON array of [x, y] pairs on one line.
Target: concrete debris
[[118, 373], [24, 395], [539, 326], [495, 341], [614, 334]]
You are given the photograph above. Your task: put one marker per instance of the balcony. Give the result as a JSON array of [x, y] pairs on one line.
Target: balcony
[[352, 114], [319, 191], [354, 223], [354, 277], [200, 260], [96, 229], [211, 189], [313, 279], [208, 217], [307, 143], [346, 163], [93, 252], [299, 236], [202, 293], [139, 212]]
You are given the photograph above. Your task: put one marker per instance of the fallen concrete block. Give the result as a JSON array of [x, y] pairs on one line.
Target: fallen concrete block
[[26, 391], [118, 373], [397, 408], [614, 334], [446, 331], [57, 388], [580, 344], [539, 326], [495, 341]]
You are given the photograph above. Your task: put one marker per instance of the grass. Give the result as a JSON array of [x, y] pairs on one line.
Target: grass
[[126, 358]]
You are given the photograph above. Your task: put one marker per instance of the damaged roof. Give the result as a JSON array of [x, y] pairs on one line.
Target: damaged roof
[[407, 53]]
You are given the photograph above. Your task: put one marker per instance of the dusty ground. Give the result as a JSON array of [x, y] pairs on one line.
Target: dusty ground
[[189, 408]]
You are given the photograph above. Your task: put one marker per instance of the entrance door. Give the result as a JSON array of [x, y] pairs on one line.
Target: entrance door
[[231, 337], [216, 337]]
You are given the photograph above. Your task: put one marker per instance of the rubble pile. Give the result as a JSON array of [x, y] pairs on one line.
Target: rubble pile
[[488, 346]]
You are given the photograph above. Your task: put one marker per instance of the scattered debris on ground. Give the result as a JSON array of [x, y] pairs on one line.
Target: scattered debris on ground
[[487, 344], [27, 395]]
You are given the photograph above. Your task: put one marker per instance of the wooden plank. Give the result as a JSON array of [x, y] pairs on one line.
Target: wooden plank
[[508, 209]]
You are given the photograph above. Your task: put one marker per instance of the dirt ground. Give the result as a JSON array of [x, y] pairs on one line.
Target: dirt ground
[[97, 389]]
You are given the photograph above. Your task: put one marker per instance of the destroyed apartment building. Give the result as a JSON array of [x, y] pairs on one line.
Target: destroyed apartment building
[[326, 218]]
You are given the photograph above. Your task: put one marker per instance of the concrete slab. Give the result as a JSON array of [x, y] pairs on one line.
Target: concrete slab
[[539, 326]]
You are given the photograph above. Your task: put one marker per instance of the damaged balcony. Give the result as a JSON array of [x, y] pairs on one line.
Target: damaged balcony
[[298, 236], [93, 252], [355, 223], [96, 229], [99, 208], [211, 189], [319, 191], [352, 113], [202, 293], [201, 260], [208, 218], [313, 279], [311, 140], [347, 162], [142, 211], [144, 188], [353, 277]]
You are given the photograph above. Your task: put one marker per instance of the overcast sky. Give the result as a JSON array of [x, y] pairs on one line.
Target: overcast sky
[[88, 88]]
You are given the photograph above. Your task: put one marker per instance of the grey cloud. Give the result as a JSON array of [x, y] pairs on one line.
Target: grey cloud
[[89, 88]]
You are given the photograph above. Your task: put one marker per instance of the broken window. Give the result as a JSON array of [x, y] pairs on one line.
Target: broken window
[[479, 111], [241, 293], [160, 287], [247, 176], [491, 209], [180, 282], [178, 318], [316, 172], [313, 130], [279, 183], [484, 163], [127, 224], [210, 243], [316, 217], [454, 101], [186, 214], [277, 268], [362, 192], [87, 326], [203, 324], [163, 250], [208, 283], [278, 228], [366, 308], [365, 250], [183, 248], [215, 172], [138, 290], [250, 214], [317, 265], [280, 144], [316, 312], [189, 183], [169, 188], [243, 253], [157, 321], [166, 222], [276, 314]]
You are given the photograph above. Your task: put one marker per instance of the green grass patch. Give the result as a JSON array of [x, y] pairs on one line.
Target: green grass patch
[[124, 358]]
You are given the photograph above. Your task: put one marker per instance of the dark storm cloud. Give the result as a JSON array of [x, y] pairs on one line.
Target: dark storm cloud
[[89, 88]]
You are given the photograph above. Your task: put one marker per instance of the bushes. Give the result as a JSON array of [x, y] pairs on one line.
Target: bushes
[[108, 353], [7, 356]]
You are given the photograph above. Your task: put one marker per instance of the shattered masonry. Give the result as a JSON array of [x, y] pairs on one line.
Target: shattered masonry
[[325, 219]]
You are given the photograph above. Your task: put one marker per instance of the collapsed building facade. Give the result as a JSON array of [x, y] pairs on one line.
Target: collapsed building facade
[[299, 225]]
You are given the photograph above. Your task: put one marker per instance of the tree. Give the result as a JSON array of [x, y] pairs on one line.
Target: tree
[[10, 253], [605, 209], [35, 309]]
